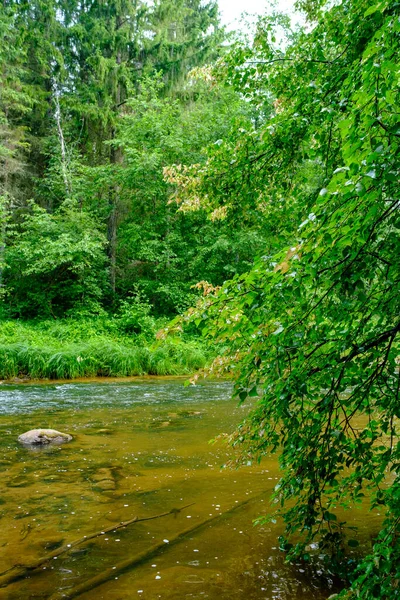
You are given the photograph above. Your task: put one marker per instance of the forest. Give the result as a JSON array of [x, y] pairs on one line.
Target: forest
[[96, 100], [174, 197]]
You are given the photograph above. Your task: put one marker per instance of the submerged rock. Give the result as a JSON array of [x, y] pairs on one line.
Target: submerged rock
[[104, 479], [18, 481], [42, 437], [106, 485], [51, 543]]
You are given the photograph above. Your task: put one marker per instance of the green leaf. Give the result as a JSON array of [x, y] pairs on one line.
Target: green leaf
[[328, 516]]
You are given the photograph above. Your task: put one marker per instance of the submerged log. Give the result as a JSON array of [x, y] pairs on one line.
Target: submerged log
[[20, 571], [134, 561]]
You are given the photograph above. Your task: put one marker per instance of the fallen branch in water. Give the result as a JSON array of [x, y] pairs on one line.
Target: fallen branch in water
[[20, 571], [134, 561]]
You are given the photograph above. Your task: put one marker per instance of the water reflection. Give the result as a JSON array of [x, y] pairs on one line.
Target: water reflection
[[140, 448]]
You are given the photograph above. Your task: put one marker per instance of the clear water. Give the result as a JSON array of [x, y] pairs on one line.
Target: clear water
[[140, 448]]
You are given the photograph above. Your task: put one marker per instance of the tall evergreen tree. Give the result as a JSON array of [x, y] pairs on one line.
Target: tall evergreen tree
[[16, 102], [184, 35]]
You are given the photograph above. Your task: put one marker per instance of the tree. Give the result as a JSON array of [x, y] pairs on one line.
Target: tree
[[313, 328], [162, 251], [111, 47], [55, 264], [15, 103], [185, 34]]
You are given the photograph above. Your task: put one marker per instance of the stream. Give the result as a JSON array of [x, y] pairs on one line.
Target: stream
[[141, 447]]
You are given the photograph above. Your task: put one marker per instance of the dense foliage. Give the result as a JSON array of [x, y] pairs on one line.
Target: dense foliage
[[96, 99], [313, 327], [56, 262]]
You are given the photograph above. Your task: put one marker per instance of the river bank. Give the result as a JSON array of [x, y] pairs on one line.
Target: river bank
[[72, 349]]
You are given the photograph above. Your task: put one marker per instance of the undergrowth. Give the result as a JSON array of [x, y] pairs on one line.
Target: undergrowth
[[68, 349]]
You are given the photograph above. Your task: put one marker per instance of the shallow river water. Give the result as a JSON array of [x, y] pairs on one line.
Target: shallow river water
[[141, 448]]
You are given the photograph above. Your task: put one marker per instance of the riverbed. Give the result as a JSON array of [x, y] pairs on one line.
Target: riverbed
[[141, 448]]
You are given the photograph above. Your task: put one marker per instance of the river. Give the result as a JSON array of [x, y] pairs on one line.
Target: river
[[141, 448]]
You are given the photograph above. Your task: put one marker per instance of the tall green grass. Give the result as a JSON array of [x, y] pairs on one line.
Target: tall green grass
[[68, 350]]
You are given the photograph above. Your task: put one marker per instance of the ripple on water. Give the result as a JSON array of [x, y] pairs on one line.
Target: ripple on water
[[25, 399]]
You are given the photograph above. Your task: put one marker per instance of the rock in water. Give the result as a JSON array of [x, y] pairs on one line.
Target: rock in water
[[42, 437]]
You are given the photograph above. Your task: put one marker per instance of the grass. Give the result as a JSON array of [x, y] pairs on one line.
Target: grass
[[69, 349]]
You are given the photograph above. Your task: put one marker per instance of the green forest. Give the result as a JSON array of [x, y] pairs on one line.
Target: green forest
[[97, 99], [175, 197]]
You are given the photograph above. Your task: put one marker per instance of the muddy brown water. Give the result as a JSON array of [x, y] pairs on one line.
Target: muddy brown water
[[141, 447]]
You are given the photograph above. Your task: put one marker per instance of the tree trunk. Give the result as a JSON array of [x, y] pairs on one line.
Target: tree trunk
[[116, 159], [64, 165]]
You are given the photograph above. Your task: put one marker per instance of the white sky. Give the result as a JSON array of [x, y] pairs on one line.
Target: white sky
[[231, 10]]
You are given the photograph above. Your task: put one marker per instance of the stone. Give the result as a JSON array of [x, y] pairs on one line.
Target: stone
[[42, 437], [103, 473], [105, 485], [19, 481], [190, 413], [50, 543], [104, 480]]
